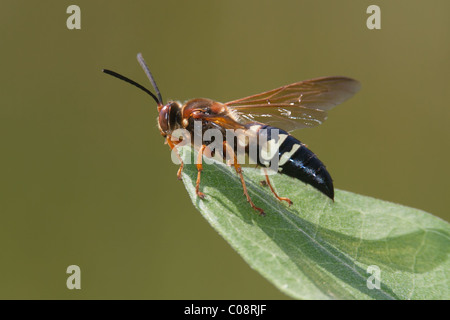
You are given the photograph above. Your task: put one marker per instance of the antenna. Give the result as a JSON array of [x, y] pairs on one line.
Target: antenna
[[134, 83], [150, 77]]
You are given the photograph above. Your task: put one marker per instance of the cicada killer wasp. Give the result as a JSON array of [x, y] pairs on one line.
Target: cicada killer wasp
[[298, 105]]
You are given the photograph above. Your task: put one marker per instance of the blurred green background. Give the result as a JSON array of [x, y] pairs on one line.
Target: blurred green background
[[87, 180]]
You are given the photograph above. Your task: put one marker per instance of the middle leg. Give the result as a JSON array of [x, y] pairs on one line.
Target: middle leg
[[238, 168]]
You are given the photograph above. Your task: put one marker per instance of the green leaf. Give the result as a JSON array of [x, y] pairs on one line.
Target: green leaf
[[320, 249]]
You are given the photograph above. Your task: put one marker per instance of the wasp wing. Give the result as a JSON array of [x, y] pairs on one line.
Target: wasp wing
[[299, 105]]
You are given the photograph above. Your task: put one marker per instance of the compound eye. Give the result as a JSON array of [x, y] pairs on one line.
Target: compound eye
[[163, 119]]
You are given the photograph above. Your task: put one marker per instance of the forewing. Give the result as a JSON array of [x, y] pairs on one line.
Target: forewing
[[298, 105]]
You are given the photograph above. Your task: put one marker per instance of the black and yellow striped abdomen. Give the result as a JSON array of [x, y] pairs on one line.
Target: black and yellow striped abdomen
[[294, 158]]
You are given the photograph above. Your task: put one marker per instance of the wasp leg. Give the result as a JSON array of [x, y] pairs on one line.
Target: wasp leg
[[174, 148], [273, 190], [238, 169], [199, 171]]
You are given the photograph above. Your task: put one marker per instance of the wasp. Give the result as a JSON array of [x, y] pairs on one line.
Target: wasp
[[298, 105]]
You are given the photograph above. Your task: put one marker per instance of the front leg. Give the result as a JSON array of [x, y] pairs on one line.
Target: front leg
[[173, 147], [199, 171]]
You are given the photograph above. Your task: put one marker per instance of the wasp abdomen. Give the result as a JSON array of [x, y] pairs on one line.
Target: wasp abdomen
[[296, 160]]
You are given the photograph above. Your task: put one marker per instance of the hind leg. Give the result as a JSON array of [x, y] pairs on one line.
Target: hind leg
[[267, 182]]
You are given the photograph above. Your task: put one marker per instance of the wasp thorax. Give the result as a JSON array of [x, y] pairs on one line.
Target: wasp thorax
[[169, 117]]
